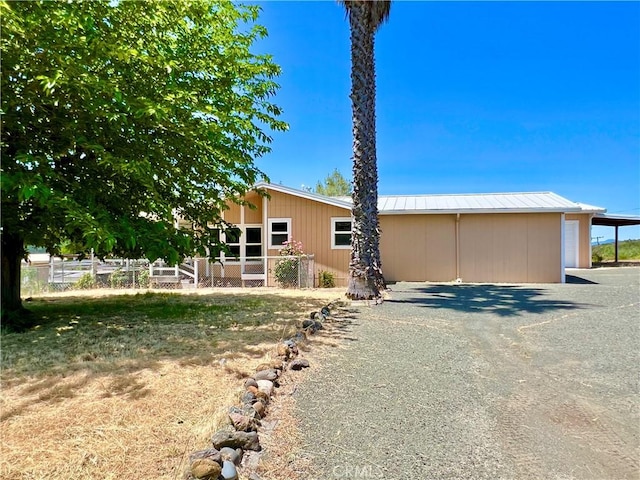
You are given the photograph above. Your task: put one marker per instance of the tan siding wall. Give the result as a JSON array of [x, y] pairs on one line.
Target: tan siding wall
[[232, 215], [251, 215], [510, 248], [584, 241], [492, 247], [418, 247], [311, 224]]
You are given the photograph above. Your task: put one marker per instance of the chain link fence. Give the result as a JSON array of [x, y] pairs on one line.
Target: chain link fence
[[70, 273]]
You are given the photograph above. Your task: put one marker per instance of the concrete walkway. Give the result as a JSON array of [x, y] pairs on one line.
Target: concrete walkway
[[483, 382]]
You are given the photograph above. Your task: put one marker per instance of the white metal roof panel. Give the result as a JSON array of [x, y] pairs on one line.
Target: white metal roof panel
[[586, 208], [530, 202], [476, 203]]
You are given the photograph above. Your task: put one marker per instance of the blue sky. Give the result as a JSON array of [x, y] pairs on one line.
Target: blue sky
[[471, 97]]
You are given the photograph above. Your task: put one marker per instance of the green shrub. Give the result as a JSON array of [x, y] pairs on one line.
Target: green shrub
[[85, 282], [326, 279], [286, 270], [596, 257], [118, 278], [628, 250], [143, 278]]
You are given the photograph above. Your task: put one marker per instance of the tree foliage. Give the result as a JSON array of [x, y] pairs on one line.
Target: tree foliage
[[335, 185], [119, 117]]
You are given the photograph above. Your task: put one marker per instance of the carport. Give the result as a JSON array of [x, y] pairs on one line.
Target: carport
[[615, 221]]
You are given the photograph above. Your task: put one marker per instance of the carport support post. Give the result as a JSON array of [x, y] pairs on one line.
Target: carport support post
[[457, 246], [616, 227]]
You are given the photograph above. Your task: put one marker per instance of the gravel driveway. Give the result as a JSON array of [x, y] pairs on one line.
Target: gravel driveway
[[483, 382]]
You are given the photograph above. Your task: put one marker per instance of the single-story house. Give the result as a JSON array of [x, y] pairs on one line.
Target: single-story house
[[502, 237]]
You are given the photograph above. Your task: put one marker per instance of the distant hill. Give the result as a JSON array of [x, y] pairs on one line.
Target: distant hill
[[603, 242], [627, 250]]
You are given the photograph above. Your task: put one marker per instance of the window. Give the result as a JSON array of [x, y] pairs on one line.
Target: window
[[253, 242], [341, 232], [279, 232], [245, 244], [215, 252], [232, 236]]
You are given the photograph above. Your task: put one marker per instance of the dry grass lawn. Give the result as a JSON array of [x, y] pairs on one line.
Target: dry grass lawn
[[127, 385]]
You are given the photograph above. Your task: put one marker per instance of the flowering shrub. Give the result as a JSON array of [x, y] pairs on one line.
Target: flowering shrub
[[287, 269]]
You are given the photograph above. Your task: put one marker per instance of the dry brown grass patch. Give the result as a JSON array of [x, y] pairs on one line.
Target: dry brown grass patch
[[106, 389]]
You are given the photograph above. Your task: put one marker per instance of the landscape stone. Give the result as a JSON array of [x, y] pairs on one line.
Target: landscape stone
[[243, 423], [231, 454], [229, 471], [266, 375], [318, 325], [263, 397], [210, 453], [249, 382], [283, 350], [248, 398], [205, 468], [277, 364], [244, 440], [299, 364], [265, 386], [259, 408], [252, 389], [325, 311], [249, 411], [306, 324], [299, 337]]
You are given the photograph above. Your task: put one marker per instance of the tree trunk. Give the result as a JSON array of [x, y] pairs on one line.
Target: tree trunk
[[365, 274], [14, 316]]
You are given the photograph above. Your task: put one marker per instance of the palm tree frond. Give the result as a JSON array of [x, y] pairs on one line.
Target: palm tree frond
[[378, 11]]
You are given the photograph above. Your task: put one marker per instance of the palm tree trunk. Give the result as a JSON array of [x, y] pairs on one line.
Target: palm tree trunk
[[365, 274]]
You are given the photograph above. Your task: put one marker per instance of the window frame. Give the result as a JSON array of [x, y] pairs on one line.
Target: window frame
[[335, 220], [245, 244], [230, 257], [270, 222]]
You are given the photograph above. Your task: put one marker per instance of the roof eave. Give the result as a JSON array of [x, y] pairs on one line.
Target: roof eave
[[307, 195], [479, 211]]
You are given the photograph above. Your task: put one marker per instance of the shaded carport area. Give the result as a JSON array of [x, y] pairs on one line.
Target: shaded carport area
[[616, 221]]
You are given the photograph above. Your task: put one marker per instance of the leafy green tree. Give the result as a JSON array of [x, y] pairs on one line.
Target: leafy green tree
[[365, 268], [335, 185], [118, 118]]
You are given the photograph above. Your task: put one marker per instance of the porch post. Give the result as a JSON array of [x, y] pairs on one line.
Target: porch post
[[265, 240]]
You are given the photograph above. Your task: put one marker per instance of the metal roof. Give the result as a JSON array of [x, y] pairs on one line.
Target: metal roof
[[615, 220], [586, 208], [476, 203], [532, 202]]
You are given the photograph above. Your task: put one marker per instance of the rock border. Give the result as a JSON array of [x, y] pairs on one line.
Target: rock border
[[229, 445]]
